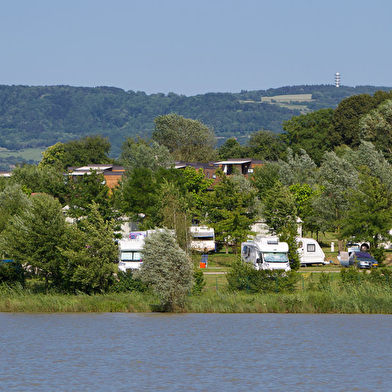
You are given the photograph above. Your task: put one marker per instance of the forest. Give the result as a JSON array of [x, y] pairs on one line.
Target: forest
[[40, 116]]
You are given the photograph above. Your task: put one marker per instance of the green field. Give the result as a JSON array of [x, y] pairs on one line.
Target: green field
[[27, 154]]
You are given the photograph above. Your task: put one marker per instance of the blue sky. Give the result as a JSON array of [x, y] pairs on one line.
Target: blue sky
[[195, 46]]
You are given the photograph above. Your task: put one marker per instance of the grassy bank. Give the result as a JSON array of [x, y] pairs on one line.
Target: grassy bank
[[366, 299]]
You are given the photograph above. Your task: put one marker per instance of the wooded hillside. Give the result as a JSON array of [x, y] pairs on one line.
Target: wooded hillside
[[37, 117]]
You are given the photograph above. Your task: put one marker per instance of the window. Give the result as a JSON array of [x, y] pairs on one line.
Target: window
[[311, 247]]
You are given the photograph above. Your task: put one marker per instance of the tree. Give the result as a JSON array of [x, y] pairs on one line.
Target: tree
[[167, 268], [13, 201], [298, 169], [41, 179], [90, 253], [85, 151], [376, 126], [142, 154], [34, 237], [338, 177], [264, 177], [265, 145], [280, 214], [279, 208], [312, 132], [85, 190], [230, 209], [187, 140], [231, 148], [347, 116], [369, 216]]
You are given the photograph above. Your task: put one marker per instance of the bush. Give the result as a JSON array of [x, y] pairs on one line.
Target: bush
[[11, 272], [244, 277], [127, 283], [199, 282]]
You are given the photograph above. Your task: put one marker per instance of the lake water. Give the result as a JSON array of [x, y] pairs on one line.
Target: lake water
[[195, 352]]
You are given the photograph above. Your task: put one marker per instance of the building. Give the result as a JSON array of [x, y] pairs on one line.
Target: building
[[112, 173]]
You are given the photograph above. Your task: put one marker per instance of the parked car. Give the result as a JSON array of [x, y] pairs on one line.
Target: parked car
[[362, 260]]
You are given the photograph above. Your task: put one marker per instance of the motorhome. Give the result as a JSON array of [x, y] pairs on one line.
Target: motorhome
[[310, 252], [131, 251], [266, 253], [203, 238]]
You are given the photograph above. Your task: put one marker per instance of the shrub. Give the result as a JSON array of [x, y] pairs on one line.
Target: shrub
[[11, 272], [127, 283]]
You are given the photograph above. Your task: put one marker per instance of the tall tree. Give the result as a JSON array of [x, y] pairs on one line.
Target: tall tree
[[187, 140], [142, 154], [369, 217], [35, 236], [376, 126], [87, 150], [167, 268], [312, 132], [90, 252], [265, 145]]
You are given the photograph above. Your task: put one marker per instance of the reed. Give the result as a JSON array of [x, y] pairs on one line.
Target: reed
[[366, 298]]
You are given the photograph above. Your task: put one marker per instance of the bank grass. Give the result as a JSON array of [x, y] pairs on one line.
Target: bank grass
[[362, 299]]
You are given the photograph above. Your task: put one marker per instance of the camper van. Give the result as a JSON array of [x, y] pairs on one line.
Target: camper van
[[203, 238], [310, 252], [130, 251], [266, 253]]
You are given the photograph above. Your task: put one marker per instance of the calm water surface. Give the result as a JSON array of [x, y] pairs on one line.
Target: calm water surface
[[195, 352]]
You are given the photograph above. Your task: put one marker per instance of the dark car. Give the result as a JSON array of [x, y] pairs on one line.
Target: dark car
[[362, 260]]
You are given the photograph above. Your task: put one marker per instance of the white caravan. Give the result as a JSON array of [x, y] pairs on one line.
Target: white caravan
[[203, 238], [131, 251], [310, 252], [266, 253]]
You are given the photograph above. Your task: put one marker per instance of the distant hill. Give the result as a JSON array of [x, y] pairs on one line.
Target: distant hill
[[36, 117]]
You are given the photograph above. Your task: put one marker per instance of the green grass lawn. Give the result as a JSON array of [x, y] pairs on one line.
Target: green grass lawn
[[27, 154]]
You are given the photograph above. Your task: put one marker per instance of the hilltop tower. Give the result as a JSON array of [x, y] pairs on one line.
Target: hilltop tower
[[337, 79]]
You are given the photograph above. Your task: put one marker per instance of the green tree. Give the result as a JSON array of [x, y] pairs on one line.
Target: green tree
[[264, 177], [230, 209], [34, 237], [86, 189], [13, 201], [167, 268], [279, 208], [369, 216], [231, 148], [90, 253], [265, 145], [85, 151], [312, 132], [187, 140], [38, 179], [142, 154], [376, 126], [347, 115]]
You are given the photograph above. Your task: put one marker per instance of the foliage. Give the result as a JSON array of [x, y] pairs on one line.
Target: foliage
[[369, 216], [376, 126], [85, 190], [167, 268], [230, 208], [90, 254], [231, 148], [126, 282], [142, 154], [312, 132], [84, 151], [11, 272], [242, 277], [187, 140], [279, 208], [40, 116], [200, 282], [13, 201], [33, 237], [265, 145], [264, 177], [41, 179]]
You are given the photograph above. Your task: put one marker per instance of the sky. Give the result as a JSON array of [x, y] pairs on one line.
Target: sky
[[194, 47]]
